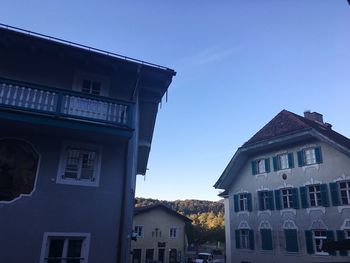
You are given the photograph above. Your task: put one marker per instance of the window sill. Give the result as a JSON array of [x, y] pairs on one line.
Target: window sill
[[318, 208], [268, 212], [342, 207], [321, 254], [77, 182], [240, 213], [311, 166], [261, 175], [288, 210]]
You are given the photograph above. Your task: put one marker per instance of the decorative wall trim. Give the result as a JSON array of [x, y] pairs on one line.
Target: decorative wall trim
[[346, 224], [265, 225], [288, 211], [318, 224], [312, 181], [243, 225], [313, 209], [289, 224]]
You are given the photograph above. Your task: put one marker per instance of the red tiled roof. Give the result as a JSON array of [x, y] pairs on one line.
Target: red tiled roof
[[286, 122]]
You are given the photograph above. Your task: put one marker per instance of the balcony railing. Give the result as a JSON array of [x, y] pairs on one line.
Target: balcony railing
[[64, 103]]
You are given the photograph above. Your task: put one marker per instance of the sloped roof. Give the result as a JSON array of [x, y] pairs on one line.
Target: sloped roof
[[144, 209], [286, 122], [284, 128]]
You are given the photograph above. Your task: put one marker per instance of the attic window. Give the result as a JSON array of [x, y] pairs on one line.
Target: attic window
[[91, 87]]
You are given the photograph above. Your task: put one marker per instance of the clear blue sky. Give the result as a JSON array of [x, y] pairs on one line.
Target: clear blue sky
[[239, 63]]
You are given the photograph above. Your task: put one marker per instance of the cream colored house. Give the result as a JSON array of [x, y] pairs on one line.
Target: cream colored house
[[161, 235], [287, 193]]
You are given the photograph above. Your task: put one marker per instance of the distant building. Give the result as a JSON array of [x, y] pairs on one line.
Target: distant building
[[76, 127], [161, 235], [287, 192]]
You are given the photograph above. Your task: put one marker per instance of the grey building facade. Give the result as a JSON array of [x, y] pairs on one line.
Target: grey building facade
[[287, 192], [76, 128]]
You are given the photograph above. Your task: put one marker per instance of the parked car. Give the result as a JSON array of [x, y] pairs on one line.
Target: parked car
[[204, 258]]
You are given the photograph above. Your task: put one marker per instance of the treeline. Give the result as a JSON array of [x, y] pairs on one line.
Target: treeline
[[207, 217]]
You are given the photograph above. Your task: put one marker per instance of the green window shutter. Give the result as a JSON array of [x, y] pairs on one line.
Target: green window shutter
[[278, 199], [251, 239], [334, 193], [236, 205], [260, 197], [275, 163], [291, 160], [303, 197], [291, 240], [266, 239], [295, 198], [324, 195], [254, 168], [238, 244], [250, 204], [267, 165], [318, 155], [300, 158], [309, 242], [330, 237], [341, 236], [271, 201]]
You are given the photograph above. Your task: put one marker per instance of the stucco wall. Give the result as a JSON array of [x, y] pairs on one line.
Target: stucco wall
[[56, 207], [335, 165], [157, 218]]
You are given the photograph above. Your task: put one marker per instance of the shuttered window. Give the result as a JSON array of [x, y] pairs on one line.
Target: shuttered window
[[309, 156], [314, 195], [266, 200], [283, 161], [291, 238], [244, 239], [260, 166], [266, 239], [243, 202]]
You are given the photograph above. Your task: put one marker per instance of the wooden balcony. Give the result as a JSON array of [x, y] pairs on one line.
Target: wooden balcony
[[64, 104]]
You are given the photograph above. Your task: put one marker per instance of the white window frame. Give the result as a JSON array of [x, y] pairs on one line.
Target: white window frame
[[321, 239], [288, 197], [103, 80], [345, 190], [316, 195], [84, 250], [244, 238], [173, 232], [310, 156], [265, 200], [63, 162], [260, 166], [243, 202], [283, 161], [139, 230]]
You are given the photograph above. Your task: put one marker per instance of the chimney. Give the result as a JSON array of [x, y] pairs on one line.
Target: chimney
[[314, 116]]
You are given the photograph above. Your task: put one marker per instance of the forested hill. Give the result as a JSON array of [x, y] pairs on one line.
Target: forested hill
[[186, 207]]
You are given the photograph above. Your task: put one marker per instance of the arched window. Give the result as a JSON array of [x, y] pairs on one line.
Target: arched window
[[18, 166]]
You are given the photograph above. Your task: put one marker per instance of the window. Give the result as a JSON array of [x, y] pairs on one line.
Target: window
[[18, 168], [91, 87], [266, 239], [309, 156], [243, 202], [266, 200], [319, 238], [291, 239], [244, 239], [65, 248], [315, 239], [173, 232], [260, 166], [341, 235], [344, 192], [283, 161], [80, 164], [314, 195], [149, 255], [287, 200], [139, 231]]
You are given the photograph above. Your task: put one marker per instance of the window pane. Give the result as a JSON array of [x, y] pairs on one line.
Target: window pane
[[86, 86], [55, 250], [74, 250], [96, 88], [72, 164], [261, 166], [284, 161], [88, 165]]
